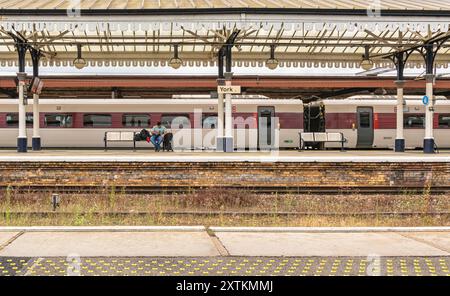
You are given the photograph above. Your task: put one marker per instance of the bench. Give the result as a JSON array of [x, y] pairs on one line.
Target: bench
[[322, 137], [120, 136]]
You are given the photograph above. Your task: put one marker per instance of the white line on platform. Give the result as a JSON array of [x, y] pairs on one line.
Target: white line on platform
[[219, 229], [330, 229], [350, 158], [105, 229]]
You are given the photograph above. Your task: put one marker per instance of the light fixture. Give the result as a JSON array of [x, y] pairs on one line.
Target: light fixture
[[175, 62], [272, 62], [366, 63], [79, 62]]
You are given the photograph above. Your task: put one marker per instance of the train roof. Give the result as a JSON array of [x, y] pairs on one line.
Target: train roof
[[154, 101], [377, 102], [388, 97]]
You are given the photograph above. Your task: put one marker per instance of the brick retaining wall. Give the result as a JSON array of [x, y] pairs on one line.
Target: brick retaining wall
[[236, 174]]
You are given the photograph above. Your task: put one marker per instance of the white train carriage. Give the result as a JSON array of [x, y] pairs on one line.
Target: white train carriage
[[370, 121], [82, 123]]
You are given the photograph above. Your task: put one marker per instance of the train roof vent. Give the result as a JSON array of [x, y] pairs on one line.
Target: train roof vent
[[259, 97], [193, 97], [199, 97]]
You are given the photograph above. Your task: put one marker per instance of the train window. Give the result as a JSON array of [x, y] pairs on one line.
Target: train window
[[136, 120], [176, 121], [414, 121], [12, 119], [209, 122], [58, 120], [97, 120], [444, 120], [364, 119]]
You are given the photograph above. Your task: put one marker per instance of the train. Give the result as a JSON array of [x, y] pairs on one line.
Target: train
[[82, 123], [369, 122], [259, 122]]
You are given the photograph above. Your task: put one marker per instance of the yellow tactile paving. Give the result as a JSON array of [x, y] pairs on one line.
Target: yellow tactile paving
[[316, 266]]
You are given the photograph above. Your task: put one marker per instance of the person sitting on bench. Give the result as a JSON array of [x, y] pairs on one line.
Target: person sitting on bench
[[158, 132]]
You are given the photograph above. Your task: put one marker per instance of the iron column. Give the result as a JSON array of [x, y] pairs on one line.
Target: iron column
[[220, 110], [399, 60], [36, 141], [428, 143], [21, 77], [228, 139]]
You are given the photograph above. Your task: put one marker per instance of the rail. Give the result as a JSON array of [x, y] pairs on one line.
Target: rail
[[257, 189], [224, 213]]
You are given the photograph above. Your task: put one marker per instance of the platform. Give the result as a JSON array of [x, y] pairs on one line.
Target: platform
[[221, 241], [211, 156], [224, 251]]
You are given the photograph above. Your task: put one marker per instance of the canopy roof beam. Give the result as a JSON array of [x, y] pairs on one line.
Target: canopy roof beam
[[300, 30]]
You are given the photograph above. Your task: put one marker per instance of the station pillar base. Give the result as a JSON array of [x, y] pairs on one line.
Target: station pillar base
[[228, 144], [400, 145], [428, 146], [36, 143], [22, 145], [220, 144]]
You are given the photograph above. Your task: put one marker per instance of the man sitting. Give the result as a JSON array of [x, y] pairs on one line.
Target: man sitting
[[158, 132]]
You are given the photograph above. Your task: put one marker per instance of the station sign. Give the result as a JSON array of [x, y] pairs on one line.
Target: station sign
[[235, 89], [36, 86]]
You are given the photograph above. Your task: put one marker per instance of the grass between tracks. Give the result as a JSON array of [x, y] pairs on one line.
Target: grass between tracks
[[223, 208]]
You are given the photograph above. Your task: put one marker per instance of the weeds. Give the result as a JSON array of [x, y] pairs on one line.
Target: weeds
[[216, 198], [111, 207], [112, 197], [8, 205], [428, 200], [78, 218]]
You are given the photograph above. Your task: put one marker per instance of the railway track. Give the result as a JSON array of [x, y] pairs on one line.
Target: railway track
[[258, 189], [225, 213]]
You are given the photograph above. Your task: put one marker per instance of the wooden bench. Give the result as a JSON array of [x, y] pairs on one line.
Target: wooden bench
[[120, 136], [322, 137]]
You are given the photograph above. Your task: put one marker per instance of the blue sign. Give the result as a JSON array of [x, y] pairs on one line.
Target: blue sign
[[425, 100]]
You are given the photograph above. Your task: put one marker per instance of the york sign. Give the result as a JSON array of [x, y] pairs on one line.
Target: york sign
[[229, 89]]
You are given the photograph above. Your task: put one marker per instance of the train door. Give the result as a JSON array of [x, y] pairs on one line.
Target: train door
[[266, 128], [314, 122], [365, 127]]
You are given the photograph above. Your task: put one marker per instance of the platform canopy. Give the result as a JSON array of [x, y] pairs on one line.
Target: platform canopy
[[324, 33]]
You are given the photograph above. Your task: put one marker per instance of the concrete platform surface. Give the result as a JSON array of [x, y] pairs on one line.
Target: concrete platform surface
[[211, 156], [110, 244], [6, 236], [326, 244], [56, 242], [435, 239]]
